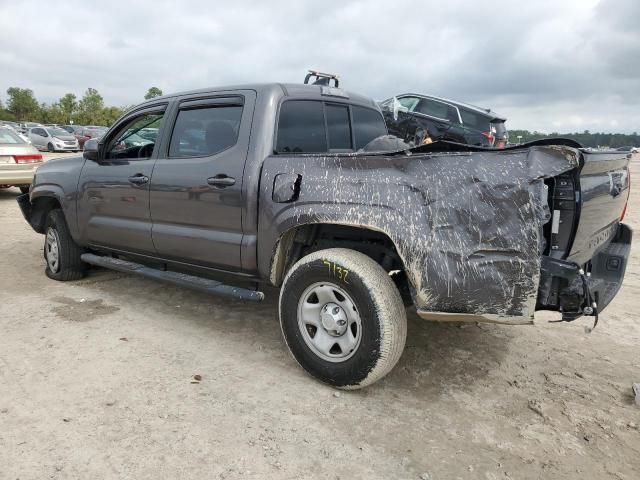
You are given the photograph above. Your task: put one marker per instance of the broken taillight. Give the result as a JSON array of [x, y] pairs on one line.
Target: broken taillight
[[624, 210], [490, 137], [32, 158]]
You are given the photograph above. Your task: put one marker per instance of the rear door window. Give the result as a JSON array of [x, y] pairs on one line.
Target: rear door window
[[301, 127], [368, 124], [205, 131], [433, 108]]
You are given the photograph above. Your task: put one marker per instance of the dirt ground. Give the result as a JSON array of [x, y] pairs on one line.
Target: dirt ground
[[97, 381]]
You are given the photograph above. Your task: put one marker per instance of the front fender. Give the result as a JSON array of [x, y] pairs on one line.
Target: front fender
[[58, 180]]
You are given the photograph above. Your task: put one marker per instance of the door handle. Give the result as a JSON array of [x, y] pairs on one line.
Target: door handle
[[138, 179], [221, 181]]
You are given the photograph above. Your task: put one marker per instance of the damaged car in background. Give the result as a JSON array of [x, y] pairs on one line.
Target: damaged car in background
[[284, 185], [421, 119]]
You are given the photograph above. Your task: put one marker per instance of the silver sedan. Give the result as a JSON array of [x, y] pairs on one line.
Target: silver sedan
[[18, 160], [53, 139]]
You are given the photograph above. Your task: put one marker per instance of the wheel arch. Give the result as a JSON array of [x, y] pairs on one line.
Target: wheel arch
[[300, 240], [40, 208]]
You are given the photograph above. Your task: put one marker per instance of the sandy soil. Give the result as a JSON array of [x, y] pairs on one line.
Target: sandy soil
[[97, 381]]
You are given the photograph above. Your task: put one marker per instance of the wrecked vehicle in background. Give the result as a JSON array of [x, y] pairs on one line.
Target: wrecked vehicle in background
[[276, 184], [422, 119]]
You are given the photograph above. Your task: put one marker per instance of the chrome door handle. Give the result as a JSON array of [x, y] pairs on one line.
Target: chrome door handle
[[221, 181], [138, 179]]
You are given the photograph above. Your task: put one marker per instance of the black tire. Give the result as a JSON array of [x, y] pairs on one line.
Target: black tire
[[372, 295], [24, 189], [68, 266], [50, 147]]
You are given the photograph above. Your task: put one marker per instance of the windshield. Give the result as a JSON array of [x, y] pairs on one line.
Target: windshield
[[8, 136], [57, 132]]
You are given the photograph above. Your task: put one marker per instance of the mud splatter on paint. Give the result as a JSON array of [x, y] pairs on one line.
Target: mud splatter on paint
[[467, 225]]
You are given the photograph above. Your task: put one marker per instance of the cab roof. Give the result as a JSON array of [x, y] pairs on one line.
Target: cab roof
[[277, 91]]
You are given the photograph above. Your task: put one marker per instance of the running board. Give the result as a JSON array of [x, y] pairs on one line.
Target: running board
[[181, 279]]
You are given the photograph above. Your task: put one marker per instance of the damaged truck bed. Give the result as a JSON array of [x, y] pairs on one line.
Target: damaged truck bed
[[482, 234], [290, 185]]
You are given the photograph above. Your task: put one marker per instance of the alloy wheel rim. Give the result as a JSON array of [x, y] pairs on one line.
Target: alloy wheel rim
[[52, 250], [329, 322]]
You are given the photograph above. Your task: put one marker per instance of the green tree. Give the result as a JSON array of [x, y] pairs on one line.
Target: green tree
[[90, 108], [153, 92], [110, 115], [68, 106], [22, 104]]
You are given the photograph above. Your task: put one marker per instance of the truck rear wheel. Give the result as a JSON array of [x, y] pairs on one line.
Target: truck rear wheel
[[342, 318], [60, 251]]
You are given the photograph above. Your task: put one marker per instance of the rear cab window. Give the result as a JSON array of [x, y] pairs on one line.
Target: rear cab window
[[316, 126]]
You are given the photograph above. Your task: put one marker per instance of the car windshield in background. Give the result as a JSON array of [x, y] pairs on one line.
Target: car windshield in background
[[57, 132], [9, 137], [96, 132]]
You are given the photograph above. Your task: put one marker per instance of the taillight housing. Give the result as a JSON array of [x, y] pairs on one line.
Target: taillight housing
[[624, 210], [490, 137], [31, 158]]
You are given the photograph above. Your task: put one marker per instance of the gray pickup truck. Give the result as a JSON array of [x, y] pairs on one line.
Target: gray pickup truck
[[230, 189]]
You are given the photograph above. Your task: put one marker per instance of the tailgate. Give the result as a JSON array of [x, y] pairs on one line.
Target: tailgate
[[588, 246], [603, 190]]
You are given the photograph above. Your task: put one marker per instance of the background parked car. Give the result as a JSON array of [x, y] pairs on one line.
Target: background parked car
[[18, 160], [53, 139], [629, 149], [88, 133], [15, 127], [73, 129], [25, 126], [422, 119]]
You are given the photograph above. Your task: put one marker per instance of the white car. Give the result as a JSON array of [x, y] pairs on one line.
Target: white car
[[18, 160], [53, 139]]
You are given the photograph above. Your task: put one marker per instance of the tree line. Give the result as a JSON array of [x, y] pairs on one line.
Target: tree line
[[586, 138], [22, 106]]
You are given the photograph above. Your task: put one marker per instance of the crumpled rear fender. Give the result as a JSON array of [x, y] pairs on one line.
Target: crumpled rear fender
[[467, 225]]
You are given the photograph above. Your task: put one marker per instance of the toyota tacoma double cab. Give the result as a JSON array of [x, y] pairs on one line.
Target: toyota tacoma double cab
[[288, 186]]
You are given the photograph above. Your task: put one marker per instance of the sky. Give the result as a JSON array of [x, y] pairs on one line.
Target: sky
[[546, 65]]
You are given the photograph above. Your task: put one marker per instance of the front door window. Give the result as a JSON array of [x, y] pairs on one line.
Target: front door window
[[135, 139]]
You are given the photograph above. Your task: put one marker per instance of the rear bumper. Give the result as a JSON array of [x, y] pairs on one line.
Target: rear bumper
[[577, 290], [18, 176], [608, 267]]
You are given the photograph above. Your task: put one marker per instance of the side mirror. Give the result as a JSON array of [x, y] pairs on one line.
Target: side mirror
[[91, 149]]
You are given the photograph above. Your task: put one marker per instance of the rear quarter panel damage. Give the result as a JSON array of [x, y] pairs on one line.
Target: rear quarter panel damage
[[467, 225]]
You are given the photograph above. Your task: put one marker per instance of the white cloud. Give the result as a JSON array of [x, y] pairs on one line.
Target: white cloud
[[544, 64]]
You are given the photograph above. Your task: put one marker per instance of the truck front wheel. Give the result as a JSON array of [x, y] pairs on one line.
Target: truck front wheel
[[60, 251], [342, 317]]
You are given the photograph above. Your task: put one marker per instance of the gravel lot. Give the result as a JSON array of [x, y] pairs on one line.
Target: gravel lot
[[97, 381]]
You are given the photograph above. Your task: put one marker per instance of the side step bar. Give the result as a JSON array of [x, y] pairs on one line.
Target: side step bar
[[181, 279]]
